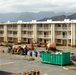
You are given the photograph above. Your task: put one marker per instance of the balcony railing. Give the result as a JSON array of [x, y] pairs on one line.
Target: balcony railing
[[14, 35], [63, 28], [10, 35], [12, 28], [27, 28], [44, 28], [44, 36], [63, 36], [15, 28], [27, 36], [1, 35], [59, 36], [1, 28]]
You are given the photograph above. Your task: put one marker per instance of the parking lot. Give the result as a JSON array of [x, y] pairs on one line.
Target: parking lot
[[17, 63]]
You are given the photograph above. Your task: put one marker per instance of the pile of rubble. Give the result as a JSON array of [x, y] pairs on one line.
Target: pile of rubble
[[1, 51], [73, 56], [32, 72]]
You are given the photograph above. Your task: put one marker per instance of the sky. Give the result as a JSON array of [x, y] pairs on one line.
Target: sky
[[37, 5]]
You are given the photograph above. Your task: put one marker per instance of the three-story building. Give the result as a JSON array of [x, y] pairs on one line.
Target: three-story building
[[59, 32]]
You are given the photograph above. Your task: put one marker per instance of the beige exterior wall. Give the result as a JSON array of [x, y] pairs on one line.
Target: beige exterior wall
[[5, 33], [34, 33], [73, 34], [53, 31], [19, 32]]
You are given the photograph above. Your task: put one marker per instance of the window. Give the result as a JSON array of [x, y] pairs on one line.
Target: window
[[10, 32], [59, 25], [1, 32], [10, 38], [69, 25], [40, 25], [24, 25], [14, 32], [24, 32], [40, 32], [24, 39], [9, 25], [40, 40], [14, 26], [58, 40], [1, 26], [58, 33], [69, 33], [69, 41]]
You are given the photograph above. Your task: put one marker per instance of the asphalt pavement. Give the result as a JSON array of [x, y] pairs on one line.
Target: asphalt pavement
[[17, 63]]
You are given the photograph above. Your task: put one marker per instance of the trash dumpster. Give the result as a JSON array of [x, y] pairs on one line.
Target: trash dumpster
[[60, 59]]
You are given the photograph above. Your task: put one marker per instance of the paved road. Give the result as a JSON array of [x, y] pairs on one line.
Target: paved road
[[16, 63]]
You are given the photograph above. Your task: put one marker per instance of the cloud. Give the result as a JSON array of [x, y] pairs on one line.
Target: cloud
[[37, 5]]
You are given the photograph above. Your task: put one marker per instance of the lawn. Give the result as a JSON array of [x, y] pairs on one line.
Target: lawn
[[65, 48]]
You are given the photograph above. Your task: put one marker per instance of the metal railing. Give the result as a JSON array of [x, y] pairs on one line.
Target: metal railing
[[44, 28], [26, 35], [63, 36], [63, 28], [44, 36], [10, 28], [27, 28], [1, 35]]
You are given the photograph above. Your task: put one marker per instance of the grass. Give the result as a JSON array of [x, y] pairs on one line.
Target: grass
[[31, 59], [64, 48]]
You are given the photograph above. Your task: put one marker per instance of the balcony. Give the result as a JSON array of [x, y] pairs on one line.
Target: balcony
[[63, 36], [27, 28], [10, 35], [15, 28], [1, 35], [30, 36], [44, 36], [62, 28], [27, 36], [59, 36], [14, 35], [44, 28], [1, 29]]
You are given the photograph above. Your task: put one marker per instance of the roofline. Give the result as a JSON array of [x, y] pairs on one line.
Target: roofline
[[39, 22]]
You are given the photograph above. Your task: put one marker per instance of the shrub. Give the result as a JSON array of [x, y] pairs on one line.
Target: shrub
[[31, 59]]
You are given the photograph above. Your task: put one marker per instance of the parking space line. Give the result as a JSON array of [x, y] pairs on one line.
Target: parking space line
[[8, 63]]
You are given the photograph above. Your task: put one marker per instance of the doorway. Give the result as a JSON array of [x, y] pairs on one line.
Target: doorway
[[64, 34], [28, 41], [45, 34], [64, 42], [45, 40]]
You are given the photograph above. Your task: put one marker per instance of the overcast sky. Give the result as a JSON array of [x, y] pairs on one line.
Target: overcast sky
[[37, 5]]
